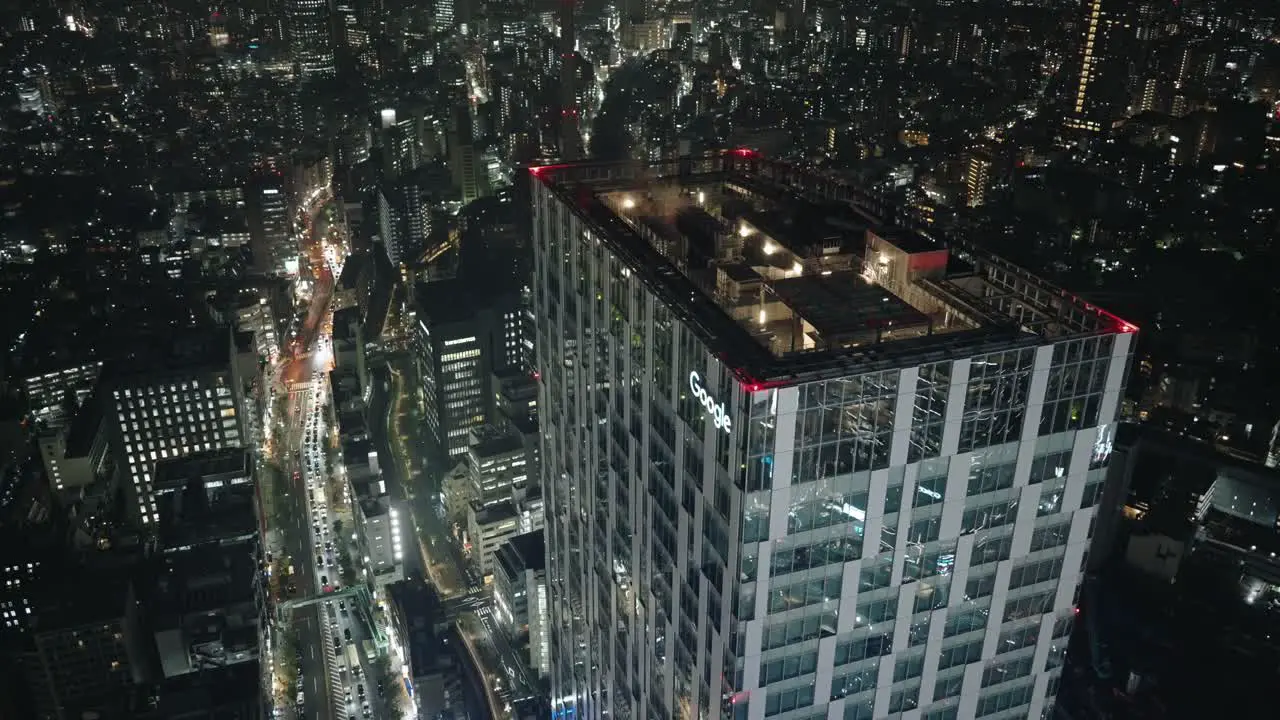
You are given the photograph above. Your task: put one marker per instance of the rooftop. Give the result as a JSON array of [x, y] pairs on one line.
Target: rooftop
[[223, 466], [495, 444], [793, 276], [179, 352], [498, 512], [204, 579], [523, 552], [208, 511], [373, 506]]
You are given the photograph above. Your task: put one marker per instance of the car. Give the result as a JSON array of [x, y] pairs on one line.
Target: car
[[324, 579], [320, 560], [346, 633], [360, 690], [337, 645], [342, 604]]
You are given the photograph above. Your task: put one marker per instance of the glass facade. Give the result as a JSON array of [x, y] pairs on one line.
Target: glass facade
[[860, 546]]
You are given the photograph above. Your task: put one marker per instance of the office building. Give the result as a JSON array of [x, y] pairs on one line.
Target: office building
[[54, 396], [213, 470], [404, 222], [310, 37], [520, 596], [199, 598], [799, 461], [449, 341], [184, 398], [442, 16], [349, 354], [75, 455], [469, 180], [379, 533], [499, 467], [274, 251], [515, 399], [76, 652], [487, 529]]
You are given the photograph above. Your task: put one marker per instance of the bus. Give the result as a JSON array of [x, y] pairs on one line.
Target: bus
[[370, 651]]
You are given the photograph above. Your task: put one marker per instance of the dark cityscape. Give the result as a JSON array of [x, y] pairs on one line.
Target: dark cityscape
[[639, 359]]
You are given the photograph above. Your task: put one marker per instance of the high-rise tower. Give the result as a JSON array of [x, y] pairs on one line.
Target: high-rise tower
[[570, 141], [800, 462], [310, 36], [1097, 100]]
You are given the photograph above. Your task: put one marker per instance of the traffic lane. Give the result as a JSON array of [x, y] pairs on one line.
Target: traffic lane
[[385, 398], [315, 685], [294, 540], [310, 638], [368, 675], [513, 662], [496, 663]]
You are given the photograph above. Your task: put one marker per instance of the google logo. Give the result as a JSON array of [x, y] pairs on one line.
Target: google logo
[[716, 410]]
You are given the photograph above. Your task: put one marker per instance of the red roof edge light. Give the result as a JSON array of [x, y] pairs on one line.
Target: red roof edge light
[[1117, 324], [746, 153], [538, 170], [752, 385]]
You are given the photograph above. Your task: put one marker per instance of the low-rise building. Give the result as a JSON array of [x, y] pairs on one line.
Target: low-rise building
[[74, 455], [456, 488], [54, 396], [520, 596], [380, 534], [488, 527], [499, 467], [200, 597]]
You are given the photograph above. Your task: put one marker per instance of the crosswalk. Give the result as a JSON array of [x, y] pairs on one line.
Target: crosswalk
[[333, 667]]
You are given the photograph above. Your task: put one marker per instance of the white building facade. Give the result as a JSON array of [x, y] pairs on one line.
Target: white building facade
[[859, 529]]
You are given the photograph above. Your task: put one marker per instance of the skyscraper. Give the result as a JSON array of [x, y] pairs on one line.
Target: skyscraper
[[800, 462], [1097, 98], [310, 36], [274, 250]]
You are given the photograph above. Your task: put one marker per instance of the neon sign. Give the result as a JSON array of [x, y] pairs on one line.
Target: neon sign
[[714, 409]]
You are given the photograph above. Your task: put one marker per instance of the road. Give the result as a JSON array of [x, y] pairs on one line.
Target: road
[[298, 376], [388, 400], [340, 678], [503, 666]]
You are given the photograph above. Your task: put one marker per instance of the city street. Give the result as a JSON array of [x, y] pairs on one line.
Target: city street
[[298, 379], [503, 666], [341, 674], [337, 648]]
